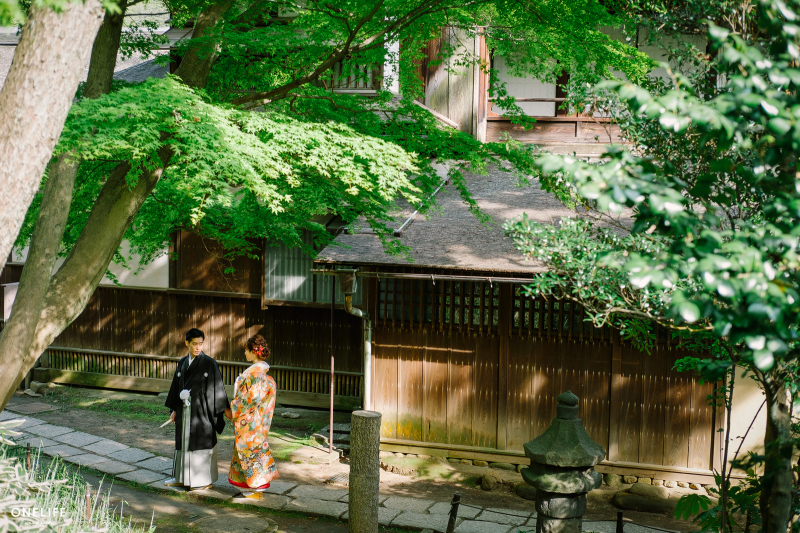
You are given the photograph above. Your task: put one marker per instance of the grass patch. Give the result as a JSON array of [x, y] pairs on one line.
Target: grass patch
[[56, 489], [143, 409]]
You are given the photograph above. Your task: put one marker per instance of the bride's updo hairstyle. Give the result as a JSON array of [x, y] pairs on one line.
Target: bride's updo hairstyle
[[258, 346]]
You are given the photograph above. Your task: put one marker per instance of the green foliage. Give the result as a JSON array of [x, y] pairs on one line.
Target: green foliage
[[706, 226], [14, 11], [237, 175], [707, 513]]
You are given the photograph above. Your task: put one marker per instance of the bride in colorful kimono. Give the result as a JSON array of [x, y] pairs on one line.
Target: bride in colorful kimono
[[252, 466]]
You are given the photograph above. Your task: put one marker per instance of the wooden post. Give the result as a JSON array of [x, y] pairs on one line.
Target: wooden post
[[365, 467], [88, 503], [333, 373], [451, 521]]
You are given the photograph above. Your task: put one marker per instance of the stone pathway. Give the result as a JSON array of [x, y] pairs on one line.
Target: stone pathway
[[132, 464]]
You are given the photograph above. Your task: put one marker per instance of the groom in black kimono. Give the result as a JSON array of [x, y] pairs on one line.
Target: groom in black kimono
[[198, 400]]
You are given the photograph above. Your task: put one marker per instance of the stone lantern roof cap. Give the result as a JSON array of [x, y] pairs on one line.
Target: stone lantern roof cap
[[565, 443]]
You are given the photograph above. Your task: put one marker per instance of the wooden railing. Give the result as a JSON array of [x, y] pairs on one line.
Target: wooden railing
[[154, 372]]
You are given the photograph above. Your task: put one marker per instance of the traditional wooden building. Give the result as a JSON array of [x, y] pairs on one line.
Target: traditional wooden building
[[464, 364]]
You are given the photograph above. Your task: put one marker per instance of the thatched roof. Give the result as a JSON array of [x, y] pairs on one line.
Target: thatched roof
[[454, 238]]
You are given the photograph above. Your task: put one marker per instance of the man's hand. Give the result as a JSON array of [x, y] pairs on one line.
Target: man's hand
[[228, 414], [172, 417]]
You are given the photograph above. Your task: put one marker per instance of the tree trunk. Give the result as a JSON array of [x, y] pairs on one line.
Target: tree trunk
[[76, 280], [776, 490], [199, 58], [45, 243], [104, 54], [17, 336], [34, 101]]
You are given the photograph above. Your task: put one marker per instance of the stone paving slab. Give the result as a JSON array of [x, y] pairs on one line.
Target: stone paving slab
[[230, 522], [436, 522], [280, 487], [29, 423], [78, 438], [478, 526], [413, 505], [501, 516], [463, 511], [268, 501], [381, 498], [131, 455], [167, 471], [62, 450], [214, 493], [36, 442], [385, 515], [160, 486], [532, 521], [113, 467], [142, 475], [48, 430], [31, 408], [156, 463], [317, 507], [317, 493], [88, 459], [105, 447], [8, 415], [337, 428]]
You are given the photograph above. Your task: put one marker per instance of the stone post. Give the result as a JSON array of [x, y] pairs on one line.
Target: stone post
[[562, 469], [365, 468]]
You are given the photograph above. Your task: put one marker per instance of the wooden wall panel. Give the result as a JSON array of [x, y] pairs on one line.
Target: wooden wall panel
[[630, 419], [10, 274], [547, 383], [409, 387], [654, 397], [677, 422], [435, 387], [386, 379], [521, 407], [460, 394], [201, 266], [596, 394], [702, 417], [484, 423]]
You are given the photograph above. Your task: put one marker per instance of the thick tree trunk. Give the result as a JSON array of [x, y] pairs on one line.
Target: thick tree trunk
[[17, 336], [15, 340], [199, 58], [34, 102], [776, 491], [104, 54], [76, 280]]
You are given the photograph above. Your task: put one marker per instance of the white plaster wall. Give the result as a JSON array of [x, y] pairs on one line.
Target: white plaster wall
[[154, 274], [520, 87], [747, 399]]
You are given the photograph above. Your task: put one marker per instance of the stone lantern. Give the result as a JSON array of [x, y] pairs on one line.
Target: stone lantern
[[562, 469]]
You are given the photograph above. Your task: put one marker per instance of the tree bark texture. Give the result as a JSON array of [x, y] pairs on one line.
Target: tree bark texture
[[199, 58], [71, 287], [104, 54], [776, 490], [34, 101], [16, 337], [365, 468]]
